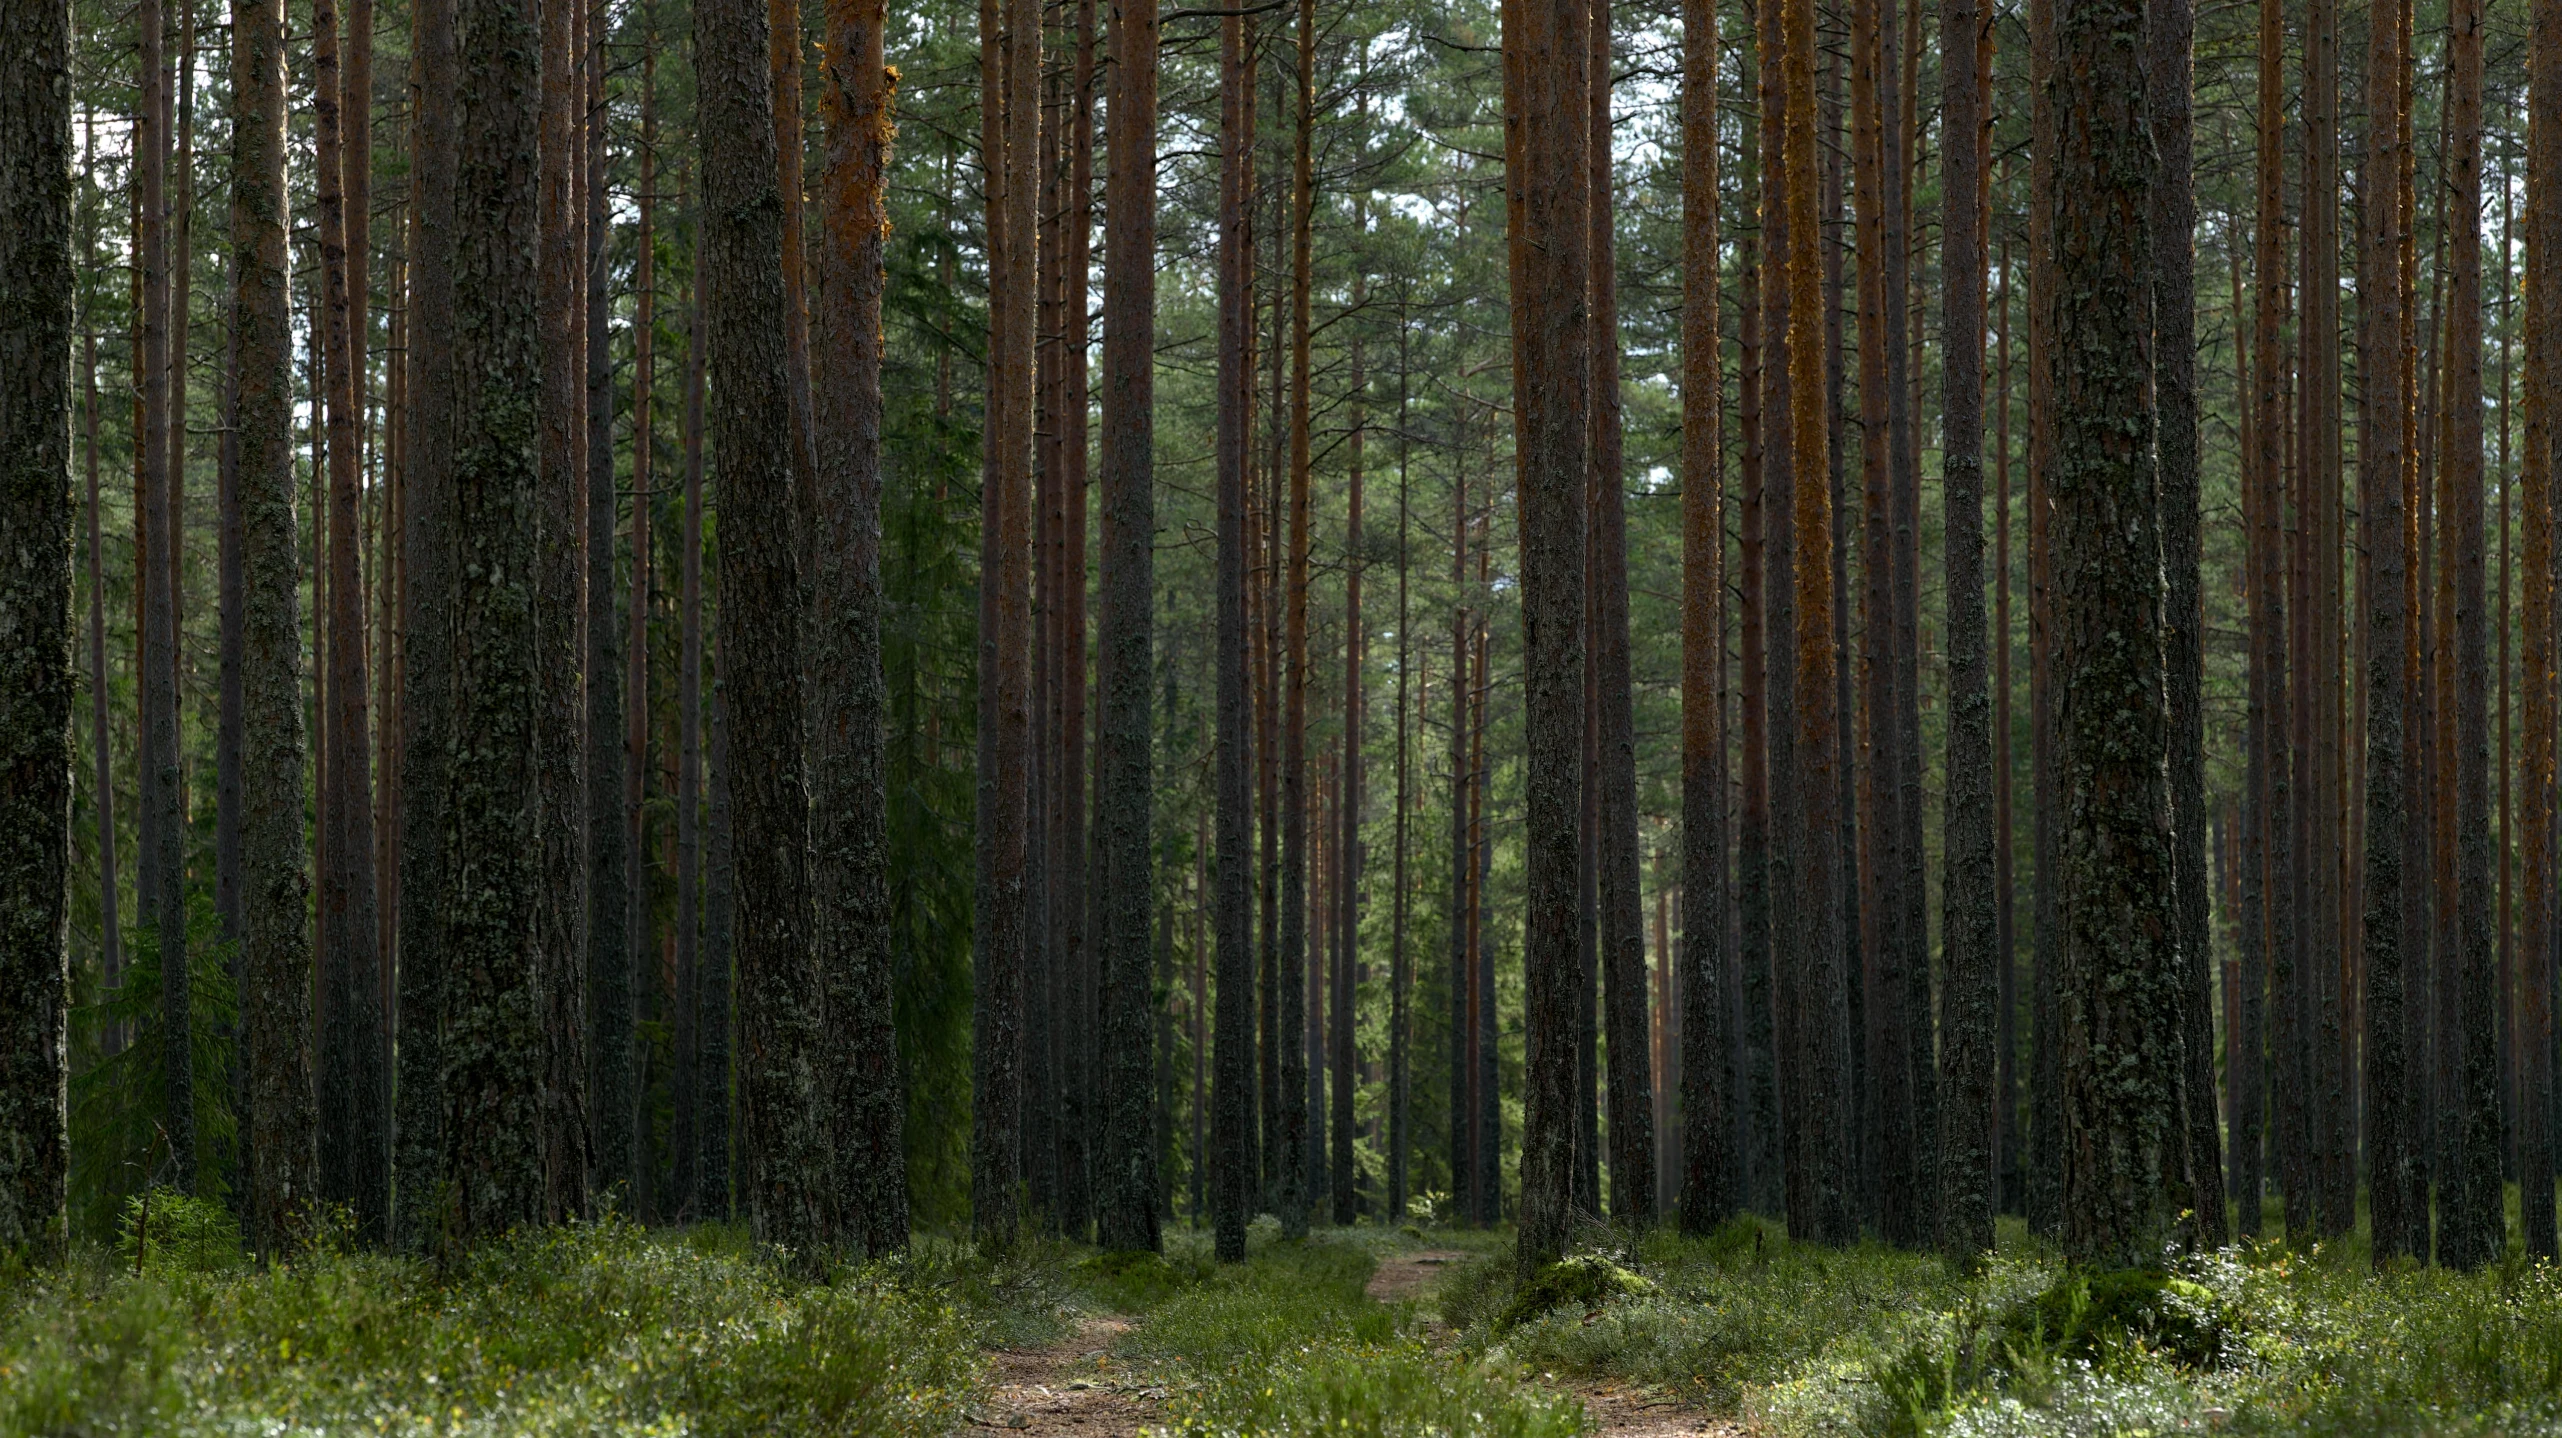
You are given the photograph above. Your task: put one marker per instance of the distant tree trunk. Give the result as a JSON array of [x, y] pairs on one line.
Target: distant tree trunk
[[2009, 1175], [1347, 838], [1904, 380], [1234, 1190], [2269, 596], [1885, 990], [1127, 1181], [2543, 410], [1294, 1154], [2171, 27], [1462, 1039], [354, 1131], [427, 603], [2244, 1064], [1073, 885], [783, 1103], [849, 846], [2326, 1092], [494, 969], [165, 870], [1779, 625], [2482, 1204], [1547, 67], [650, 1199], [1757, 1076], [1966, 1199], [1400, 974], [36, 289], [2045, 1109], [698, 1088], [613, 1075], [2119, 988], [111, 939], [2381, 521], [1710, 1192], [715, 1016]]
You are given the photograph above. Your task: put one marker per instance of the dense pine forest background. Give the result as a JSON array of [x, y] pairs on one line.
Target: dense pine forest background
[[1414, 708]]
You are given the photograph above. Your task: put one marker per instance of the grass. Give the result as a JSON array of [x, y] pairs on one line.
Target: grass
[[1805, 1340], [593, 1329]]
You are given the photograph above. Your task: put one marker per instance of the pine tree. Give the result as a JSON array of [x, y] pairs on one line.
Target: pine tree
[[1709, 1192], [1236, 1162], [2543, 407], [2118, 987], [782, 1100], [280, 1125], [1547, 67], [849, 849], [35, 588]]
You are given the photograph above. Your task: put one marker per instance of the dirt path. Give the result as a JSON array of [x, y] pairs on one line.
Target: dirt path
[[1068, 1387], [1407, 1275]]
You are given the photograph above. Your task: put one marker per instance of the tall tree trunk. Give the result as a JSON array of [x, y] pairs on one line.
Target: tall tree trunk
[[1347, 840], [1076, 891], [1126, 1190], [1757, 1078], [1236, 1162], [2382, 438], [715, 1015], [2326, 1093], [1709, 1192], [36, 287], [1294, 1154], [1823, 1018], [2009, 1175], [1547, 68], [1400, 974], [2482, 1203], [2119, 988], [2045, 1110], [280, 1126], [614, 1072], [2244, 1060], [783, 1103], [649, 1198], [494, 975], [2543, 408], [849, 847], [2171, 27], [2269, 594], [1966, 1197], [166, 837], [1886, 1031], [699, 1089], [354, 1131], [1622, 930], [426, 615]]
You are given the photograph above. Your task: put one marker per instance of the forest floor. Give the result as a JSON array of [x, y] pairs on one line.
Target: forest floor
[[1362, 1332]]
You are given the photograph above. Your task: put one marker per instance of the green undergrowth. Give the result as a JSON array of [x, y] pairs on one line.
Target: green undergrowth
[[1288, 1344], [601, 1328], [1808, 1340]]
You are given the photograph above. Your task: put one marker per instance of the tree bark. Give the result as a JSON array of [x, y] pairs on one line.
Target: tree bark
[[1127, 1182], [2326, 1093], [1547, 67], [281, 1125], [1293, 1152], [2269, 592], [614, 1066], [699, 1089], [1709, 1193], [36, 287], [2382, 440], [1236, 1161], [783, 1099], [1966, 1197], [2486, 1238], [426, 615], [2118, 988], [495, 978], [2171, 27], [849, 847], [2543, 408]]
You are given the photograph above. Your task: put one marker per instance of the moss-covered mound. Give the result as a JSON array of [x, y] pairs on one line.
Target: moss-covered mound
[[1586, 1281], [2084, 1312]]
